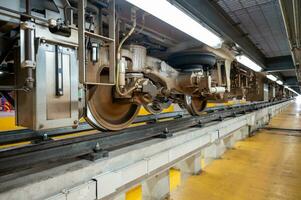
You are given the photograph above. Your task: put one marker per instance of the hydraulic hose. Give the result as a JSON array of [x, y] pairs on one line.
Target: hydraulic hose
[[119, 57]]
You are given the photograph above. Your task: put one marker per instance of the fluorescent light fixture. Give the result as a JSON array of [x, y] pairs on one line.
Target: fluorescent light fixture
[[271, 77], [279, 82], [244, 60], [175, 17]]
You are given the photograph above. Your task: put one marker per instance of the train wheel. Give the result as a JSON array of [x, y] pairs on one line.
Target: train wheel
[[102, 111], [105, 114], [195, 105]]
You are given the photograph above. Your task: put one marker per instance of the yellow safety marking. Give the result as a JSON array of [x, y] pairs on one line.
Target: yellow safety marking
[[5, 146], [8, 124], [243, 101], [202, 161], [174, 179], [210, 105], [142, 110], [71, 135], [138, 124], [134, 193], [229, 103]]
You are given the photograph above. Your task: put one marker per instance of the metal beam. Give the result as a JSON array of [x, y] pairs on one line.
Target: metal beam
[[291, 15], [281, 63], [215, 17], [291, 81]]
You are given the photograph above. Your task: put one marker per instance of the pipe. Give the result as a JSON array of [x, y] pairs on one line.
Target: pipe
[[28, 50], [28, 7], [285, 19], [119, 55], [296, 22], [216, 90]]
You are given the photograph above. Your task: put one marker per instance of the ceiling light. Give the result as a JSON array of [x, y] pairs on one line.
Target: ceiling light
[[244, 60], [175, 17], [286, 86], [271, 77], [279, 82], [1, 72]]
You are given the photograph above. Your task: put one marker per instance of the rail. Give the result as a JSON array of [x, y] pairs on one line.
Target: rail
[[101, 143]]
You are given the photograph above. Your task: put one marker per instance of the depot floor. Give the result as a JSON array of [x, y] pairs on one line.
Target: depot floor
[[265, 166]]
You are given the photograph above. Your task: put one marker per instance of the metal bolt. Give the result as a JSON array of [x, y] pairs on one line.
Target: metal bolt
[[166, 130], [75, 124], [45, 136], [97, 147]]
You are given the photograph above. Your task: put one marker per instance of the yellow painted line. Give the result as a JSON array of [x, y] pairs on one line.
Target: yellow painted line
[[82, 120], [174, 179], [142, 110], [134, 193], [19, 144], [72, 135], [138, 124], [8, 124], [210, 105], [228, 103]]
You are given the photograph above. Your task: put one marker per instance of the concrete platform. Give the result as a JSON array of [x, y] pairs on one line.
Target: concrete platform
[[265, 166], [145, 165]]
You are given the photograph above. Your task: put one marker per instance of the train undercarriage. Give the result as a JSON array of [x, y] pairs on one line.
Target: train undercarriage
[[102, 60]]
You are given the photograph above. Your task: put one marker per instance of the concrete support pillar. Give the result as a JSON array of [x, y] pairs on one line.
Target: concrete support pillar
[[214, 151], [220, 148], [244, 133], [231, 140], [209, 154], [190, 166], [157, 187], [237, 135]]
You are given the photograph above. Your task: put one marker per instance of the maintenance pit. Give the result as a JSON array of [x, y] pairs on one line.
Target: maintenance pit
[[145, 165], [140, 99]]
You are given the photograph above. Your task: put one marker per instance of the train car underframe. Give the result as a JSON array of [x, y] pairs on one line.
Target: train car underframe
[[103, 60], [118, 100]]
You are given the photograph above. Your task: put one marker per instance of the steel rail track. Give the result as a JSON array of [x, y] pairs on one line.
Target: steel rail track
[[98, 145], [8, 137], [14, 136]]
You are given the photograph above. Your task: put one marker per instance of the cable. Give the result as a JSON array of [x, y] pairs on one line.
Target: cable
[[119, 55]]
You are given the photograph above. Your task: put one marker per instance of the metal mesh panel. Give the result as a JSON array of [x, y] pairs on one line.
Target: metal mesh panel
[[262, 21]]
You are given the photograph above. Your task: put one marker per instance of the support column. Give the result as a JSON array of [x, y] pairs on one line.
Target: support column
[[231, 140], [190, 166], [220, 148], [157, 187]]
